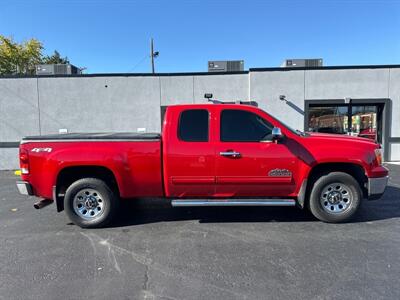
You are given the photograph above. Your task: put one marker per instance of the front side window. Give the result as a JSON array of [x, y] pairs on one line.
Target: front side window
[[193, 125], [244, 126]]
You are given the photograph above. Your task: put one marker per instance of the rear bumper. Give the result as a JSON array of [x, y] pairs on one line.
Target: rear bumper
[[376, 187], [24, 188]]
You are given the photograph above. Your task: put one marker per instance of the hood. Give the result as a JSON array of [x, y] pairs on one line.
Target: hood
[[339, 137]]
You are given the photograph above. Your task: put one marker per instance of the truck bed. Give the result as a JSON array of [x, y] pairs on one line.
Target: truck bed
[[94, 136], [133, 158]]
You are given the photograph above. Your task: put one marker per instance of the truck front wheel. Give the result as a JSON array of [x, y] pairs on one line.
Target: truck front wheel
[[90, 203], [335, 197]]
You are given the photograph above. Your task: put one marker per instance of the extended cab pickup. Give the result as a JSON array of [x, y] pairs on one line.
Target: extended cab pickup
[[207, 155]]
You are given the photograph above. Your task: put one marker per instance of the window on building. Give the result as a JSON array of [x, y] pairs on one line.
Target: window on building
[[328, 119], [352, 119], [244, 126], [193, 125]]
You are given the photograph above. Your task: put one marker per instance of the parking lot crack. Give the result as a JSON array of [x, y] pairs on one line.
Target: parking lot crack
[[146, 279]]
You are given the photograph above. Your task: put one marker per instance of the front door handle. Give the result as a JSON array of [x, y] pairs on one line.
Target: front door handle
[[230, 154]]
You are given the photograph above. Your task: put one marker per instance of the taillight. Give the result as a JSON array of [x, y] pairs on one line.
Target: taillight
[[24, 161], [378, 156]]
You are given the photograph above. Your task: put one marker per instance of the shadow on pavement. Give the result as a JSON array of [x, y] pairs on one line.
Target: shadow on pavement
[[144, 211]]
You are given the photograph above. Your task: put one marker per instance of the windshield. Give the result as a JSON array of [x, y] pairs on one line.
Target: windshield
[[295, 131]]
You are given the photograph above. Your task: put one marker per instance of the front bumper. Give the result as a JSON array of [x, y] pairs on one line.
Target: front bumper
[[376, 187], [24, 188]]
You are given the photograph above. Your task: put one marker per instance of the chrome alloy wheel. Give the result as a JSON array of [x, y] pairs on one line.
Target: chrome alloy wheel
[[336, 197], [88, 204]]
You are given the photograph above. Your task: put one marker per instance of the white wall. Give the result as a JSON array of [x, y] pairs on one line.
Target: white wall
[[266, 87]]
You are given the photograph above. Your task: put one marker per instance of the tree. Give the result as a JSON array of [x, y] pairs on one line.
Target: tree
[[22, 58], [19, 58], [55, 59]]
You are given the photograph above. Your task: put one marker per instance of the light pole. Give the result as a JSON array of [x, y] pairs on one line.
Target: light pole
[[153, 55]]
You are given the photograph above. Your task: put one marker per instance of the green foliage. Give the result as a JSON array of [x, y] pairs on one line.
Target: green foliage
[[55, 58], [21, 58]]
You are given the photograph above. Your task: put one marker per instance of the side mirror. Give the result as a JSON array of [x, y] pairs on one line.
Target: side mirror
[[276, 134]]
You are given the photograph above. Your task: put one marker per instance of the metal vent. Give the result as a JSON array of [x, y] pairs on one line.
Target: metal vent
[[234, 66], [60, 69], [302, 63], [57, 69], [226, 66], [312, 63]]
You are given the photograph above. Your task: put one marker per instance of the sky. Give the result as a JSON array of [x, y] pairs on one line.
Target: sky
[[114, 36]]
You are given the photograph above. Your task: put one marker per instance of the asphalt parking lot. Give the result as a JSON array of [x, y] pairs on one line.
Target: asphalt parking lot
[[157, 252]]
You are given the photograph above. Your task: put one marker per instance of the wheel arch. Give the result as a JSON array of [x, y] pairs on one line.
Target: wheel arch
[[355, 170], [70, 174]]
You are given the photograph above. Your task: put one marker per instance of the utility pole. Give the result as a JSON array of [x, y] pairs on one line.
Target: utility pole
[[153, 54]]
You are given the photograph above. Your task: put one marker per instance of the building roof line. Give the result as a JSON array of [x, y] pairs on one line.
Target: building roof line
[[395, 66], [268, 69]]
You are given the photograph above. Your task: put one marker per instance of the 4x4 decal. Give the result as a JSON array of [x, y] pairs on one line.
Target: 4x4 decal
[[42, 150]]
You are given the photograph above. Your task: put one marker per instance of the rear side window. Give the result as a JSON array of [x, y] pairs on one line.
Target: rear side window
[[243, 126], [193, 125]]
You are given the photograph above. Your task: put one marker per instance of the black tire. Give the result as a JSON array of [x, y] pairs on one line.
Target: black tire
[[331, 204], [103, 203]]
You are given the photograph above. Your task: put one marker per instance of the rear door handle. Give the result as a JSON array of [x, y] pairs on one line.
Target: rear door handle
[[230, 153]]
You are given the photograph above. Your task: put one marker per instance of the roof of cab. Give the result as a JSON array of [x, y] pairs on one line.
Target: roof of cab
[[217, 102]]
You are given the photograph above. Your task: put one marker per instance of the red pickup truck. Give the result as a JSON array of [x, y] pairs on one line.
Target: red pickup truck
[[207, 155]]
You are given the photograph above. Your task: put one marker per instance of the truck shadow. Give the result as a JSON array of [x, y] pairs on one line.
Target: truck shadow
[[145, 211]]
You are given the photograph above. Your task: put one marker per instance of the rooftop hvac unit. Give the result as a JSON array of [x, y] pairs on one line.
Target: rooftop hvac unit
[[302, 63], [225, 66], [56, 69]]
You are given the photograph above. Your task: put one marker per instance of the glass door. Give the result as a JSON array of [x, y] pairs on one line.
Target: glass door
[[366, 121]]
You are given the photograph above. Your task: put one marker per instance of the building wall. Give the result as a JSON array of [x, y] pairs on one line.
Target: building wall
[[19, 110], [96, 104], [394, 96], [266, 87], [32, 106], [223, 87], [19, 116]]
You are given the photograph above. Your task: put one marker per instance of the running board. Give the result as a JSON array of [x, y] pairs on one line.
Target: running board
[[233, 202]]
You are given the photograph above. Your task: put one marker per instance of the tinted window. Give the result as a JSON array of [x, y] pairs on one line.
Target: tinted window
[[193, 125], [243, 126]]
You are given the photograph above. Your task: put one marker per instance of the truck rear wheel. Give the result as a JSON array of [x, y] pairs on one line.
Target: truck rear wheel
[[90, 203], [335, 197]]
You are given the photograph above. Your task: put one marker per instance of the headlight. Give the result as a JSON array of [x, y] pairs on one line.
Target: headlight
[[378, 156]]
